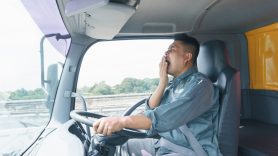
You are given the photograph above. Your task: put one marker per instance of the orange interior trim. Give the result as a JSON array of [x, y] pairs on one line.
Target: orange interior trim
[[263, 57]]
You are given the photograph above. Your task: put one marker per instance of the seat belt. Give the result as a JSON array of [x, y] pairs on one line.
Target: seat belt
[[177, 149], [196, 146]]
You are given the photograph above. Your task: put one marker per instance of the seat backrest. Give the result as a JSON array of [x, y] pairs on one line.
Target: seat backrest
[[213, 62]]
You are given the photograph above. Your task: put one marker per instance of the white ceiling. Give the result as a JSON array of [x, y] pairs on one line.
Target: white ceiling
[[193, 16]]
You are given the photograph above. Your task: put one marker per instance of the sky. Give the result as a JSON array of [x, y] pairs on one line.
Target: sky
[[19, 40], [109, 61], [115, 60]]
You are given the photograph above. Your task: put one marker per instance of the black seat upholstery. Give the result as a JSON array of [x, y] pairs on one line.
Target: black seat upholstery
[[213, 62]]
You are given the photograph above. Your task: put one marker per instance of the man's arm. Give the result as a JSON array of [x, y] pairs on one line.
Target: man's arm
[[163, 82], [108, 125], [191, 103]]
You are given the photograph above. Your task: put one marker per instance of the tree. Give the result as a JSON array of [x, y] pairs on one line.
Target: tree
[[132, 85], [23, 94], [38, 93], [101, 89], [150, 84], [84, 90], [19, 94], [128, 85]]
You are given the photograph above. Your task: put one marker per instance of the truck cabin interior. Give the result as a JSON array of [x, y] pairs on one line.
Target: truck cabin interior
[[239, 41]]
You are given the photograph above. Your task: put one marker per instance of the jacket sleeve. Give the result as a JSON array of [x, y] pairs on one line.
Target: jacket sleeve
[[185, 105]]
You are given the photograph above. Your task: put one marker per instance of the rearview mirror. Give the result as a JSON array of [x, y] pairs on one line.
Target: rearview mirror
[[52, 79], [51, 84]]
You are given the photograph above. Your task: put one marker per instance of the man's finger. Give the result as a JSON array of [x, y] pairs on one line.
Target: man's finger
[[109, 130], [100, 127], [105, 129], [95, 125]]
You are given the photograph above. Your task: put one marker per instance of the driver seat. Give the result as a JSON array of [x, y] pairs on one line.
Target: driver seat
[[213, 62]]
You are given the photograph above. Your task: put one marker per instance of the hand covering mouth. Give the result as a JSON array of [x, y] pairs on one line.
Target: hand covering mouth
[[167, 61]]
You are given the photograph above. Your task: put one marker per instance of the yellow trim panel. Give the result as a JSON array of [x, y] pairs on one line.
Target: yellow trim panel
[[263, 57]]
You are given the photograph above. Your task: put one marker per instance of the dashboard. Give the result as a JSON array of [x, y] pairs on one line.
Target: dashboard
[[69, 139]]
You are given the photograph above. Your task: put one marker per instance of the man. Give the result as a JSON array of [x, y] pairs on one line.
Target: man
[[184, 110]]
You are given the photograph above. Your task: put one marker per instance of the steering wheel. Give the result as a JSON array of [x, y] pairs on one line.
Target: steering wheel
[[82, 117], [132, 108]]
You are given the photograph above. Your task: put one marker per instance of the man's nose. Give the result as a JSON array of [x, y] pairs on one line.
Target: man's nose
[[167, 52]]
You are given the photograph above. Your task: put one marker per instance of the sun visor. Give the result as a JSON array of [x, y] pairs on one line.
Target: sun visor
[[78, 6], [106, 22]]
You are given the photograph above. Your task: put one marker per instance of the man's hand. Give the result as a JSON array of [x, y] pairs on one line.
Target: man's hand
[[163, 67], [163, 82], [108, 125]]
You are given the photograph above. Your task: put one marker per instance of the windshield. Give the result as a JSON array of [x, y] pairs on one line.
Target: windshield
[[131, 74], [26, 98]]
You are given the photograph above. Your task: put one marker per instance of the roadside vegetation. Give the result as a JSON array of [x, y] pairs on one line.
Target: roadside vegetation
[[127, 86]]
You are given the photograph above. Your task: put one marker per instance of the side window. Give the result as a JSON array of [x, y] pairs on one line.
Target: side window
[[117, 74], [28, 80]]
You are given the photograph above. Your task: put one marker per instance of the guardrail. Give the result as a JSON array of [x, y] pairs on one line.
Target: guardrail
[[106, 104]]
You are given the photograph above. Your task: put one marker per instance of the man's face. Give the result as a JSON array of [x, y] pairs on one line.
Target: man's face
[[176, 58]]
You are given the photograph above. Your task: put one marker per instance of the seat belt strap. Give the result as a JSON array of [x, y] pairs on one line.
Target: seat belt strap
[[179, 150], [196, 146]]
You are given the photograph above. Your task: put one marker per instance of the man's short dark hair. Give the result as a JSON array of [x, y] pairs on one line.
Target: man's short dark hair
[[189, 41]]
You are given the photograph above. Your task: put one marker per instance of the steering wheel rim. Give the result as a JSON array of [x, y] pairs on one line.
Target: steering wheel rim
[[81, 117], [132, 108]]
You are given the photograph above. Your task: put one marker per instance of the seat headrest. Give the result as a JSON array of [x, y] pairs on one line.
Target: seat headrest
[[212, 58]]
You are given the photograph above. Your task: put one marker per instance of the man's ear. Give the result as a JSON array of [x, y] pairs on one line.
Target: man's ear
[[188, 57]]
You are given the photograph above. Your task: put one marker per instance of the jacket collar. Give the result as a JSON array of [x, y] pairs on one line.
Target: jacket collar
[[190, 71]]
